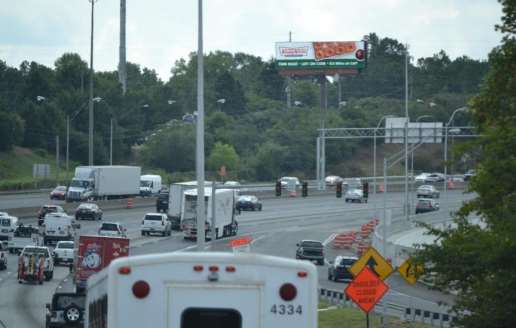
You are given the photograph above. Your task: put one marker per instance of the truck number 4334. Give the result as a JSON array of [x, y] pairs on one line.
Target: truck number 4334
[[287, 309]]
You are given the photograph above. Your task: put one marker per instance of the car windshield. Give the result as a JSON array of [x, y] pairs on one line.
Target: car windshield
[[316, 244], [35, 250], [246, 199], [65, 245], [25, 232], [80, 183], [424, 203], [153, 217], [145, 183], [49, 209], [109, 227], [347, 261], [163, 196], [87, 206], [61, 188], [63, 301]]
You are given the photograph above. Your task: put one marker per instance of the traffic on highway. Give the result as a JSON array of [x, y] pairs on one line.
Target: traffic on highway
[[298, 228]]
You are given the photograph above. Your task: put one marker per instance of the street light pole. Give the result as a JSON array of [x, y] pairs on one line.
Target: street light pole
[[90, 129], [374, 158], [200, 136], [67, 143], [461, 109]]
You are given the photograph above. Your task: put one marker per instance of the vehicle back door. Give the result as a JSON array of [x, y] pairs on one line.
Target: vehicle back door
[[201, 304]]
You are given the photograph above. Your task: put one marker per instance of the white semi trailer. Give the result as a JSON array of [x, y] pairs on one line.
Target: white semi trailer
[[220, 213], [104, 182]]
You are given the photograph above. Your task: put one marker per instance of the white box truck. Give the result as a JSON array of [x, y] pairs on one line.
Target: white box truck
[[175, 201], [150, 184], [104, 182], [220, 213], [207, 289]]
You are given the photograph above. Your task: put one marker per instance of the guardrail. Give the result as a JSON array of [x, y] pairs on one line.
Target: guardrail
[[398, 305]]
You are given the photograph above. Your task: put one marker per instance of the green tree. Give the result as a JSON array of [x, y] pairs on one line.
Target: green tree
[[11, 130], [223, 155], [478, 261]]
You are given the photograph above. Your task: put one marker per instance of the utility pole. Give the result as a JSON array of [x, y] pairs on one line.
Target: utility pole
[[407, 207], [111, 142], [324, 105], [57, 160], [90, 130], [122, 75], [67, 143], [289, 80], [201, 214]]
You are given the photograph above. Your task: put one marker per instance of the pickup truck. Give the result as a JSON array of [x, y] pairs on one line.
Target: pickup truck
[[24, 236], [312, 250]]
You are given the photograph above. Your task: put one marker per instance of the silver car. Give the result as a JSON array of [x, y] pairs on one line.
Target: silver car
[[355, 195], [427, 191]]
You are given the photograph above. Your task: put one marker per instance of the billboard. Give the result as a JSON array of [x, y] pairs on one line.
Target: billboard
[[329, 55], [418, 132]]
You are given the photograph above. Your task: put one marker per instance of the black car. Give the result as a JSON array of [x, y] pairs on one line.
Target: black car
[[312, 250], [248, 202], [66, 310], [45, 209], [162, 202], [88, 211], [426, 205], [339, 269]]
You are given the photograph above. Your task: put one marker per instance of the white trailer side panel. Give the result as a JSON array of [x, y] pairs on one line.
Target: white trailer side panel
[[117, 180]]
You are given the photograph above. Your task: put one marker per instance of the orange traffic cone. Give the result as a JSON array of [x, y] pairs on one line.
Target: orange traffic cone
[[129, 203]]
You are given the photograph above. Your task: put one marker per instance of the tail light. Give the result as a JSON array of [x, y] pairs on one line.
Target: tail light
[[214, 268], [141, 289], [198, 268], [230, 268], [288, 292], [124, 270], [302, 274]]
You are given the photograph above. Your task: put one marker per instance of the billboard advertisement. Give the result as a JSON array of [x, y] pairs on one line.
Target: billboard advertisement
[[321, 55], [418, 132]]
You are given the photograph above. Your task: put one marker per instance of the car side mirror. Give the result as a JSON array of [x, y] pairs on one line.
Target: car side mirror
[[297, 245], [47, 306]]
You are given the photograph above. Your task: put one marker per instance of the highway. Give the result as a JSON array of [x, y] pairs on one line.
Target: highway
[[275, 231]]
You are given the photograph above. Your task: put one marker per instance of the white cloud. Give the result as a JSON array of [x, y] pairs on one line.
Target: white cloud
[[159, 32]]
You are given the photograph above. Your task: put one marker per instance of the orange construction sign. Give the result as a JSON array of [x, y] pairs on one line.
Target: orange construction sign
[[366, 289]]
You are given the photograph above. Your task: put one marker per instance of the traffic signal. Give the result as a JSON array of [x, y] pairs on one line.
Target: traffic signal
[[339, 189], [304, 189], [278, 188], [365, 189]]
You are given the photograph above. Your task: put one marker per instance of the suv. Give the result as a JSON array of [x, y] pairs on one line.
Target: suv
[[64, 252], [355, 195], [426, 205], [3, 256], [45, 209], [65, 310], [41, 251], [312, 250], [156, 223], [162, 202], [339, 269], [112, 229]]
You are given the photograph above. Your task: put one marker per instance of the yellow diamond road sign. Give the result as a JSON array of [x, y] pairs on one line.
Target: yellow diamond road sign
[[410, 271], [375, 262]]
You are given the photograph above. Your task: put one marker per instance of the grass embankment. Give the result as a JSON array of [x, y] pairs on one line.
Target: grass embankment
[[354, 318], [16, 169]]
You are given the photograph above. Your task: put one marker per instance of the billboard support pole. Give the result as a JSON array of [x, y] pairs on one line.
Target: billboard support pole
[[324, 104], [318, 162]]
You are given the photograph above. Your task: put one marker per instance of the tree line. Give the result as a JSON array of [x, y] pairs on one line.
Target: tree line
[[247, 119]]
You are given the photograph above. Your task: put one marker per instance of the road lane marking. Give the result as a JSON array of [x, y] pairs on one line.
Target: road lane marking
[[329, 239]]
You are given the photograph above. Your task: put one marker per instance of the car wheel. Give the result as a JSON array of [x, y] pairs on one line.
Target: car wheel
[[72, 314]]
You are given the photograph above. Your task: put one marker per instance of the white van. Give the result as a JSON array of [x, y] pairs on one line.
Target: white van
[[7, 226], [208, 289], [150, 184]]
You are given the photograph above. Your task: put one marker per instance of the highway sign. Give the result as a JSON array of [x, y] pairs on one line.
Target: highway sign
[[375, 262], [366, 289], [410, 271]]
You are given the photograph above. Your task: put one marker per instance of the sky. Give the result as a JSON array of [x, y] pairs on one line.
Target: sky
[[160, 32]]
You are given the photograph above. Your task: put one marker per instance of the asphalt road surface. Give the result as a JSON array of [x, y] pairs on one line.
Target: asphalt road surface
[[275, 231]]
